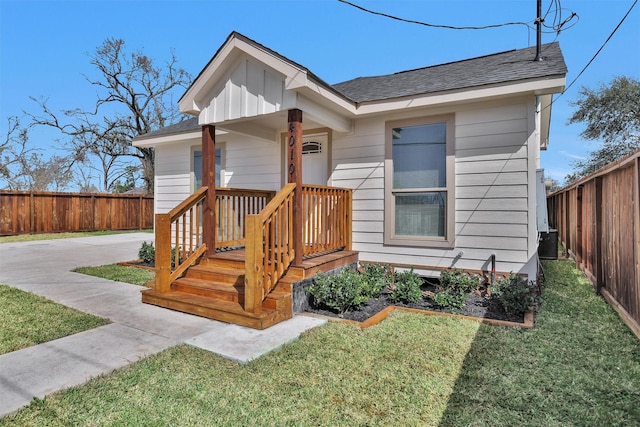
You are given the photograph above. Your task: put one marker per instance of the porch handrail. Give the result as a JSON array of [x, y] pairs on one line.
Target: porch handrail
[[269, 248], [327, 219], [232, 205], [179, 236]]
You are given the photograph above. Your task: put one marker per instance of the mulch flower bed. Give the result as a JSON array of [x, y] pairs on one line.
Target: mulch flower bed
[[478, 305]]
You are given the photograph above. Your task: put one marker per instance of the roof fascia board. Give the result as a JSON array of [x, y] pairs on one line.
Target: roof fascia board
[[153, 141], [536, 87], [165, 139]]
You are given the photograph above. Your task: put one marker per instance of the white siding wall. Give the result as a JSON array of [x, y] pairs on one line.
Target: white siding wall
[[248, 163], [492, 182], [173, 174], [253, 164]]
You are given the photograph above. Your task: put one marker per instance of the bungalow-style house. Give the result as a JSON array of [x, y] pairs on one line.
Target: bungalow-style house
[[280, 175]]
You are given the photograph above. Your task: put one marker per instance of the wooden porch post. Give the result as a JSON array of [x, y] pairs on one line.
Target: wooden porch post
[[209, 180], [294, 175]]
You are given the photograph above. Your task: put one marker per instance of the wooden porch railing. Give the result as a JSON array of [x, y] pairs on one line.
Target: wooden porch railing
[[269, 247], [179, 236], [262, 221], [327, 216], [232, 206]]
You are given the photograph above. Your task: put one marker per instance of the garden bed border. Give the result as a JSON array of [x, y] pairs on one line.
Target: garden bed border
[[383, 314], [135, 264]]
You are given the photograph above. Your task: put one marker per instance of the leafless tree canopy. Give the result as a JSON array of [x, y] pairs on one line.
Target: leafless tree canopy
[[134, 97]]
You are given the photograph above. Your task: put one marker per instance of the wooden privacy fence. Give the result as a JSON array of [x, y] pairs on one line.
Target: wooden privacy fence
[[24, 212], [598, 222]]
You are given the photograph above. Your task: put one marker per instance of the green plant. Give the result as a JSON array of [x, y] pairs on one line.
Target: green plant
[[147, 253], [515, 293], [458, 281], [455, 285], [450, 299], [406, 287], [377, 278], [340, 291]]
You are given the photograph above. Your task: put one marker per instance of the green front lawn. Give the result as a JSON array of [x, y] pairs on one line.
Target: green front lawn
[[119, 273], [580, 365], [27, 319]]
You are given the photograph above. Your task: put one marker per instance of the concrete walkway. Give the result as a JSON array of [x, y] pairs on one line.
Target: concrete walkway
[[137, 330]]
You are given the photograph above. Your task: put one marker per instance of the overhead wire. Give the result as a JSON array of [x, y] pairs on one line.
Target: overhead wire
[[601, 47], [594, 56], [556, 27]]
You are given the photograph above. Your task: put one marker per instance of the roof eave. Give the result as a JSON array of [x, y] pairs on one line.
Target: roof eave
[[540, 86]]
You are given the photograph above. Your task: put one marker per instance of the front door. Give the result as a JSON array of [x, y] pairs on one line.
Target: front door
[[315, 159]]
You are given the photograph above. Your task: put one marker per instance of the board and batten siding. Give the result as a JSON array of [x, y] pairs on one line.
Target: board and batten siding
[[492, 185]]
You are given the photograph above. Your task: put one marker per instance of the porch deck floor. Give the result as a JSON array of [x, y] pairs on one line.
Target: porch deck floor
[[309, 266]]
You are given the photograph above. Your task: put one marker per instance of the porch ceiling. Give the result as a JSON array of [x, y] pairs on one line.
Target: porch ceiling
[[267, 127]]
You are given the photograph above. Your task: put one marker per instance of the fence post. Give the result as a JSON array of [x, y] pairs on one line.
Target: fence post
[[597, 211], [636, 227], [349, 220], [163, 253]]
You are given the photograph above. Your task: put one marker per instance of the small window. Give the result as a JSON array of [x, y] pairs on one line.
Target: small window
[[197, 168], [312, 147]]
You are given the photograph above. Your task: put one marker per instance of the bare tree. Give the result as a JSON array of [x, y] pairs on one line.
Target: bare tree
[[13, 151], [134, 98]]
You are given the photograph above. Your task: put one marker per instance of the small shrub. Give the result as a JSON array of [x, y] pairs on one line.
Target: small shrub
[[458, 281], [378, 277], [147, 253], [515, 293], [455, 285], [406, 287], [340, 291], [449, 299]]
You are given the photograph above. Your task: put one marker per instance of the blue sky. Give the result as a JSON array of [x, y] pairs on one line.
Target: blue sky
[[44, 45]]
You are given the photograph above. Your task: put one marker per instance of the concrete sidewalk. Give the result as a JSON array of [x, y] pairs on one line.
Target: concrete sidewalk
[[137, 330]]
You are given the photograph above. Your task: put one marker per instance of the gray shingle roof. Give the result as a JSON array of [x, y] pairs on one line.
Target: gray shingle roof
[[189, 125], [510, 66]]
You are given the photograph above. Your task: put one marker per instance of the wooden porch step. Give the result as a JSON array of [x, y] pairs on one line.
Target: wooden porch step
[[215, 273], [225, 311], [228, 259], [277, 299]]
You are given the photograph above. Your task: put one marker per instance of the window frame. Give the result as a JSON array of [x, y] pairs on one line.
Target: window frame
[[390, 236], [219, 146]]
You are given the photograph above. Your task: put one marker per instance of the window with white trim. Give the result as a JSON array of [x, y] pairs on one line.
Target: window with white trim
[[197, 168], [420, 182]]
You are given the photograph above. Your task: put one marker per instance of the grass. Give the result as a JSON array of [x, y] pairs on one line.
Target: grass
[[53, 236], [580, 365], [119, 273], [28, 319]]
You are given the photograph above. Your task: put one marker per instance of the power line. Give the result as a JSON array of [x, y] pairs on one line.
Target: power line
[[450, 27], [601, 47], [557, 26], [593, 57]]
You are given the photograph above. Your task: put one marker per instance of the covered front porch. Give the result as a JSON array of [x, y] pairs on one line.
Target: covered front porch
[[235, 255]]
